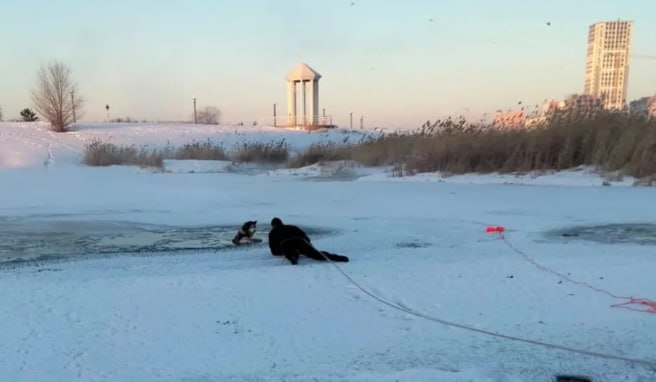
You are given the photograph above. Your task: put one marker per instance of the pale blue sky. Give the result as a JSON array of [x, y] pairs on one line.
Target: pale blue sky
[[382, 59]]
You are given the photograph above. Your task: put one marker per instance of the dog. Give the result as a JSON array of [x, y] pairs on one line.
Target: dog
[[246, 234]]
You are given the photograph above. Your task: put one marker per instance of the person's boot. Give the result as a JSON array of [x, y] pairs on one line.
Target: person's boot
[[335, 257], [292, 258]]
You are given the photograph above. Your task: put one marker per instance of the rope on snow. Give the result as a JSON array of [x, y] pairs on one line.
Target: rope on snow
[[630, 303], [647, 363]]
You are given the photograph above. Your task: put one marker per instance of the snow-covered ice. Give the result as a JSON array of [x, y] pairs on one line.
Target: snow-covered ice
[[243, 315]]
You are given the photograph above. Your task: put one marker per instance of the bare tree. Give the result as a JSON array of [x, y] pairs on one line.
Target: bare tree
[[55, 96], [1, 114], [209, 115]]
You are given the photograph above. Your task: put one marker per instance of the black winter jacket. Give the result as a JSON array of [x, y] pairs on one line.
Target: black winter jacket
[[283, 233]]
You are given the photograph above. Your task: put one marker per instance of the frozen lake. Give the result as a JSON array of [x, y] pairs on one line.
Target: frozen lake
[[202, 315]]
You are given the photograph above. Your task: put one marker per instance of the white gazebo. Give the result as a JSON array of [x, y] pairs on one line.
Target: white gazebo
[[306, 80]]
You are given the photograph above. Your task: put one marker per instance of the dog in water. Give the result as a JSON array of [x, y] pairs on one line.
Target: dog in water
[[246, 234]]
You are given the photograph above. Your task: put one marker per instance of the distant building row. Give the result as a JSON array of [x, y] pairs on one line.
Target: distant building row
[[606, 81], [579, 104], [644, 106]]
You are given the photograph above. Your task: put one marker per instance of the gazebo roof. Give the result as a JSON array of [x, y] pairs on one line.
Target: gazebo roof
[[303, 72]]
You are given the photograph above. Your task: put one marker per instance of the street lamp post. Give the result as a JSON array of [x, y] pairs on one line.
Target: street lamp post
[[195, 118]]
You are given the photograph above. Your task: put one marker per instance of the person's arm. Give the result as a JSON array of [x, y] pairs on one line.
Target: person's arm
[[301, 233], [274, 244]]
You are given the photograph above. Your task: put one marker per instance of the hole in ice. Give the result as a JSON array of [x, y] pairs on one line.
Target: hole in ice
[[635, 233], [25, 241]]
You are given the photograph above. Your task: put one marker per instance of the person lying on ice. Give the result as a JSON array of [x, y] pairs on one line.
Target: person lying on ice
[[291, 242]]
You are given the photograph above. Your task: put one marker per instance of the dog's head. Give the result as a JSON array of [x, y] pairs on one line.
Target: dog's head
[[249, 228]]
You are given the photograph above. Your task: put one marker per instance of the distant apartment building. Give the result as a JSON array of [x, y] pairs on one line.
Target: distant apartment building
[[545, 113], [552, 106], [579, 105], [509, 120], [651, 107], [644, 106], [576, 104], [607, 65], [583, 104]]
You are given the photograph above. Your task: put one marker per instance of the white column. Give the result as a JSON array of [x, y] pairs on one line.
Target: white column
[[291, 102], [315, 101], [304, 103], [312, 114]]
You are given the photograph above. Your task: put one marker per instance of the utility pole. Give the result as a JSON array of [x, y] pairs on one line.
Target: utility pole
[[195, 118], [351, 120], [73, 105], [275, 121], [361, 122]]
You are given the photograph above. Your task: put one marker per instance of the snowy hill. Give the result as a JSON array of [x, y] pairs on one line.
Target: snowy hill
[[27, 144]]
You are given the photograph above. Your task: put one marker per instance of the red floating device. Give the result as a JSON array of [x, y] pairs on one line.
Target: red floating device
[[495, 229]]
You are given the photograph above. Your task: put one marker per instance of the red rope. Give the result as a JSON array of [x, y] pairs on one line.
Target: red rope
[[649, 305], [643, 305]]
